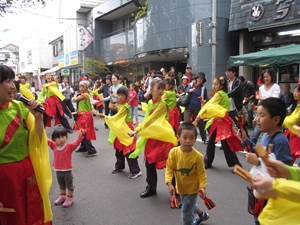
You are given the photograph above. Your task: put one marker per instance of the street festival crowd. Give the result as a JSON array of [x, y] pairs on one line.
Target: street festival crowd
[[174, 110]]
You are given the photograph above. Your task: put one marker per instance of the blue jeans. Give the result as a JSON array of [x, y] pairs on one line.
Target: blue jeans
[[134, 112], [255, 134], [188, 208]]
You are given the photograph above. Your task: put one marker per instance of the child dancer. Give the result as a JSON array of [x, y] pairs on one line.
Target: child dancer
[[85, 120], [62, 163], [221, 125], [292, 122], [120, 124], [98, 105], [188, 184], [134, 102], [25, 87], [156, 136], [170, 98], [51, 98]]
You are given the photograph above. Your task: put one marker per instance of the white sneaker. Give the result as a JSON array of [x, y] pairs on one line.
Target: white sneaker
[[132, 175]]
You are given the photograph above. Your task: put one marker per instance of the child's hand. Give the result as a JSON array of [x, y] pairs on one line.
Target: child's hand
[[171, 189], [202, 193], [81, 132], [101, 115], [242, 135], [131, 134], [252, 158]]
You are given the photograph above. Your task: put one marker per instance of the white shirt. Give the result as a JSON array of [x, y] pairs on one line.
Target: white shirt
[[274, 91]]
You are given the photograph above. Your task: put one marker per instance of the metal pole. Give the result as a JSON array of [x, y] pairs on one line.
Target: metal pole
[[214, 38]]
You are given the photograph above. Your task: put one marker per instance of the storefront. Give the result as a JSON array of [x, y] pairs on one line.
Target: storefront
[[71, 65], [265, 25]]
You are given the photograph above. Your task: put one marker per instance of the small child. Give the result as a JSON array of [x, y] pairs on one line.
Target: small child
[[98, 104], [134, 102], [271, 113], [62, 163], [120, 124], [85, 120], [187, 164], [170, 98]]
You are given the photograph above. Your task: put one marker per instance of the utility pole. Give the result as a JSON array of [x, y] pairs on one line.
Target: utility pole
[[214, 38]]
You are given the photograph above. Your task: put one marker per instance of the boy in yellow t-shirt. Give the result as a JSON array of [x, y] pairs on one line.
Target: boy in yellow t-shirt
[[187, 164]]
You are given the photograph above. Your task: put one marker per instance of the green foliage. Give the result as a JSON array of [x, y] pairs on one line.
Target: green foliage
[[7, 6], [95, 67], [142, 11]]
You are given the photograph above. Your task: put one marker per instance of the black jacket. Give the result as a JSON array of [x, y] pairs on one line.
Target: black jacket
[[236, 93]]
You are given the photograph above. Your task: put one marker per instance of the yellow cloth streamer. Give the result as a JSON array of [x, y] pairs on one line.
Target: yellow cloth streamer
[[25, 91], [157, 122], [39, 155], [52, 87], [144, 106], [119, 127]]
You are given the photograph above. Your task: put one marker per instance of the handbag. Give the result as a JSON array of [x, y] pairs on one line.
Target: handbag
[[184, 99], [113, 106]]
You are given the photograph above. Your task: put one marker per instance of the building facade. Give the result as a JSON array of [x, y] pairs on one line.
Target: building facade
[[266, 24], [9, 55], [165, 36]]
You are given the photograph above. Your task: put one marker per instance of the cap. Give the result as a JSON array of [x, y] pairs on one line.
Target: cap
[[184, 77], [188, 66], [82, 73], [158, 74], [108, 77]]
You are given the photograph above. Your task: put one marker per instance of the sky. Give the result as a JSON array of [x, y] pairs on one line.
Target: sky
[[27, 20]]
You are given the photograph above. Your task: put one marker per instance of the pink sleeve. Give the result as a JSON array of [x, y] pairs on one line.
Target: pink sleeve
[[51, 144], [73, 145]]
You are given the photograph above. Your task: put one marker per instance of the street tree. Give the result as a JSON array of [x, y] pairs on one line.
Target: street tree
[[95, 67], [7, 6]]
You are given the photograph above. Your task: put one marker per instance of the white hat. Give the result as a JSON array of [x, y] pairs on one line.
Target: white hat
[[184, 77]]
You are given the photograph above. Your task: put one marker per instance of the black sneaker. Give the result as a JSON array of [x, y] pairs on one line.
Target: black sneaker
[[81, 150], [116, 171], [132, 175], [207, 166], [90, 155]]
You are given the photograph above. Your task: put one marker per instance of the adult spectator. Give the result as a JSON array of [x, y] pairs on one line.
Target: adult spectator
[[67, 91], [112, 98], [267, 90], [198, 98], [182, 88], [148, 85], [235, 95], [105, 91], [172, 69], [248, 96], [164, 72], [288, 98], [188, 73]]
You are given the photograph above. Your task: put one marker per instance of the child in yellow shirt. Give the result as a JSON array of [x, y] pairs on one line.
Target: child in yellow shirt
[[187, 164]]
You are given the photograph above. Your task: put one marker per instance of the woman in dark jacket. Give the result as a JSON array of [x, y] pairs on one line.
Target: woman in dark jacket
[[199, 97]]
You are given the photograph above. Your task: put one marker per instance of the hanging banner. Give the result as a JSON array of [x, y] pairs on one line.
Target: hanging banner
[[85, 37]]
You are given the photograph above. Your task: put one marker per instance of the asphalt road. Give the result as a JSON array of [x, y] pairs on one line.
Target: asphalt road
[[103, 198]]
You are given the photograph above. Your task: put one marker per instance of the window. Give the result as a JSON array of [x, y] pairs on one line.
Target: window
[[29, 57], [55, 50]]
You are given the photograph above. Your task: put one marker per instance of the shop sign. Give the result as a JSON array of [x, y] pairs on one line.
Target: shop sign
[[283, 10], [65, 72], [69, 59], [85, 37], [257, 12]]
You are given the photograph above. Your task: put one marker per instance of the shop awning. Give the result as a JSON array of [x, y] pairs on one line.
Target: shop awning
[[276, 57], [52, 70]]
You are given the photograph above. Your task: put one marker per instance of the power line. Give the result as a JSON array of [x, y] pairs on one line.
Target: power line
[[51, 17]]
